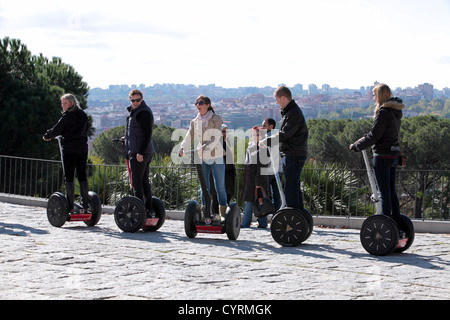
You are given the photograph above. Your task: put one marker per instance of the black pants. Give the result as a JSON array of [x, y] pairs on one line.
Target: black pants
[[140, 180], [78, 162]]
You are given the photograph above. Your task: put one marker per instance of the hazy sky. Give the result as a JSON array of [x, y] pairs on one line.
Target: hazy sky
[[344, 43]]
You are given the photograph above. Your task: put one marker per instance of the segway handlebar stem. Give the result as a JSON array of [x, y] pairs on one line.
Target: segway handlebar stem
[[279, 184], [375, 198], [59, 138]]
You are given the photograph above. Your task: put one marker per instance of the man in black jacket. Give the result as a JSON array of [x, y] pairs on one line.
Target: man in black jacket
[[139, 146], [293, 142]]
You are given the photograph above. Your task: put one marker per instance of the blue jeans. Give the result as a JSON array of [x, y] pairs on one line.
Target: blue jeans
[[275, 193], [292, 169], [218, 172], [248, 215], [385, 175]]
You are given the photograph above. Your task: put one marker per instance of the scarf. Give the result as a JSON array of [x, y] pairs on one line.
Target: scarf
[[205, 119]]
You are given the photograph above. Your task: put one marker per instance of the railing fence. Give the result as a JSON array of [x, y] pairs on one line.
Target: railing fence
[[327, 191]]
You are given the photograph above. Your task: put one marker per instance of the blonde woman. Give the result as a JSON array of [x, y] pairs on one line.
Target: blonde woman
[[206, 129], [72, 126], [384, 139]]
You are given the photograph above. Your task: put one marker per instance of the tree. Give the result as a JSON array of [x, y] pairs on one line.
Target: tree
[[425, 142], [30, 91], [113, 153]]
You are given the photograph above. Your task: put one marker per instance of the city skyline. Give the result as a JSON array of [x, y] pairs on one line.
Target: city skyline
[[240, 43]]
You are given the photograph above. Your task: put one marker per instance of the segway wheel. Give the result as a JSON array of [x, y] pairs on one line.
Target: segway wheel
[[233, 221], [95, 206], [406, 225], [379, 235], [57, 210], [192, 216], [160, 213], [309, 218], [289, 227], [130, 214]]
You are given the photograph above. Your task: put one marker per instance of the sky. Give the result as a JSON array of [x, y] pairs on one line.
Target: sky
[[236, 43]]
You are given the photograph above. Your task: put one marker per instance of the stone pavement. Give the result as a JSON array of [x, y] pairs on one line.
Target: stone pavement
[[38, 261]]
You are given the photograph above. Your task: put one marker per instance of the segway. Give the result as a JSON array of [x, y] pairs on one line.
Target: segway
[[196, 221], [131, 215], [58, 206], [290, 227], [380, 234]]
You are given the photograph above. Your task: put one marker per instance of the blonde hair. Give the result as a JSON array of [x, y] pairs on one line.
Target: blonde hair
[[72, 99], [384, 93]]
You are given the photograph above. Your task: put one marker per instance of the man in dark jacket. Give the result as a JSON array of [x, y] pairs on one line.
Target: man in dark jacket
[[293, 142], [139, 146]]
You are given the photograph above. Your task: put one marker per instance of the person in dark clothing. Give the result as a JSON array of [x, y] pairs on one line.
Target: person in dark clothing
[[72, 126], [293, 145], [139, 146], [386, 147], [269, 125], [254, 177]]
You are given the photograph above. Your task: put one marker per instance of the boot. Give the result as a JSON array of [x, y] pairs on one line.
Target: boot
[[70, 194], [84, 191], [223, 210]]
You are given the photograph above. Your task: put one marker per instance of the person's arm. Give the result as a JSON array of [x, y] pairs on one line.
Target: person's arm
[[57, 130]]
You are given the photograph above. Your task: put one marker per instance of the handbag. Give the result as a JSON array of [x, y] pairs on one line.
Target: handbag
[[402, 158], [262, 206]]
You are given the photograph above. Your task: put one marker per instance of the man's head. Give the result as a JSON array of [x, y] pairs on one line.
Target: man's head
[[135, 98], [269, 124], [283, 96]]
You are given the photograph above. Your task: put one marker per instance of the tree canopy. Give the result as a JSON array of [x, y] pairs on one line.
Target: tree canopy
[[424, 140], [30, 91]]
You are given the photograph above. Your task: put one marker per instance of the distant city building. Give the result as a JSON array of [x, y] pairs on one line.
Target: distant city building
[[426, 90]]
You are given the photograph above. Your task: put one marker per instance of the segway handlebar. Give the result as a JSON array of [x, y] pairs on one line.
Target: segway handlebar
[[60, 138], [372, 182]]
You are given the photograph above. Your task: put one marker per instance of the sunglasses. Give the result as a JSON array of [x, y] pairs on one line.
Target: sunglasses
[[200, 103], [136, 100]]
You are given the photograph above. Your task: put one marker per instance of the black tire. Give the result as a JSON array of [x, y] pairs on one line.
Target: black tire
[[406, 225], [233, 221], [57, 210], [192, 216], [379, 235], [95, 206], [310, 220], [160, 213], [130, 214], [289, 227]]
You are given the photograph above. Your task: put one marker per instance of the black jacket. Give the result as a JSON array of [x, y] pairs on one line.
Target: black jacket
[[253, 174], [384, 133], [139, 131], [73, 127], [293, 134]]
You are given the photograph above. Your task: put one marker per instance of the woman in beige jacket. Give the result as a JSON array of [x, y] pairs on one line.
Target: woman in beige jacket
[[205, 132]]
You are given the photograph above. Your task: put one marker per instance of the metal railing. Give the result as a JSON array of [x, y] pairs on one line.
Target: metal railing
[[327, 191]]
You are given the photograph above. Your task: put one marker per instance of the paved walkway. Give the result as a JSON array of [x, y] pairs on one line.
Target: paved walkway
[[38, 261]]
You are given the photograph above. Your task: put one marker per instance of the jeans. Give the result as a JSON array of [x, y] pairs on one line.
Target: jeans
[[275, 193], [385, 175], [248, 213], [218, 172], [140, 180], [292, 169]]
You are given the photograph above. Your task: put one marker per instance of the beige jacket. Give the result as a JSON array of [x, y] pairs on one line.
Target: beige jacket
[[211, 137]]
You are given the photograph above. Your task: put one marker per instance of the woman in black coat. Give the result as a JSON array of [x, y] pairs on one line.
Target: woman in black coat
[[72, 126], [384, 139]]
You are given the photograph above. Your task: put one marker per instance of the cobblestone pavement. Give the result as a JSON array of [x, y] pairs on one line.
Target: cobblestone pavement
[[38, 261]]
